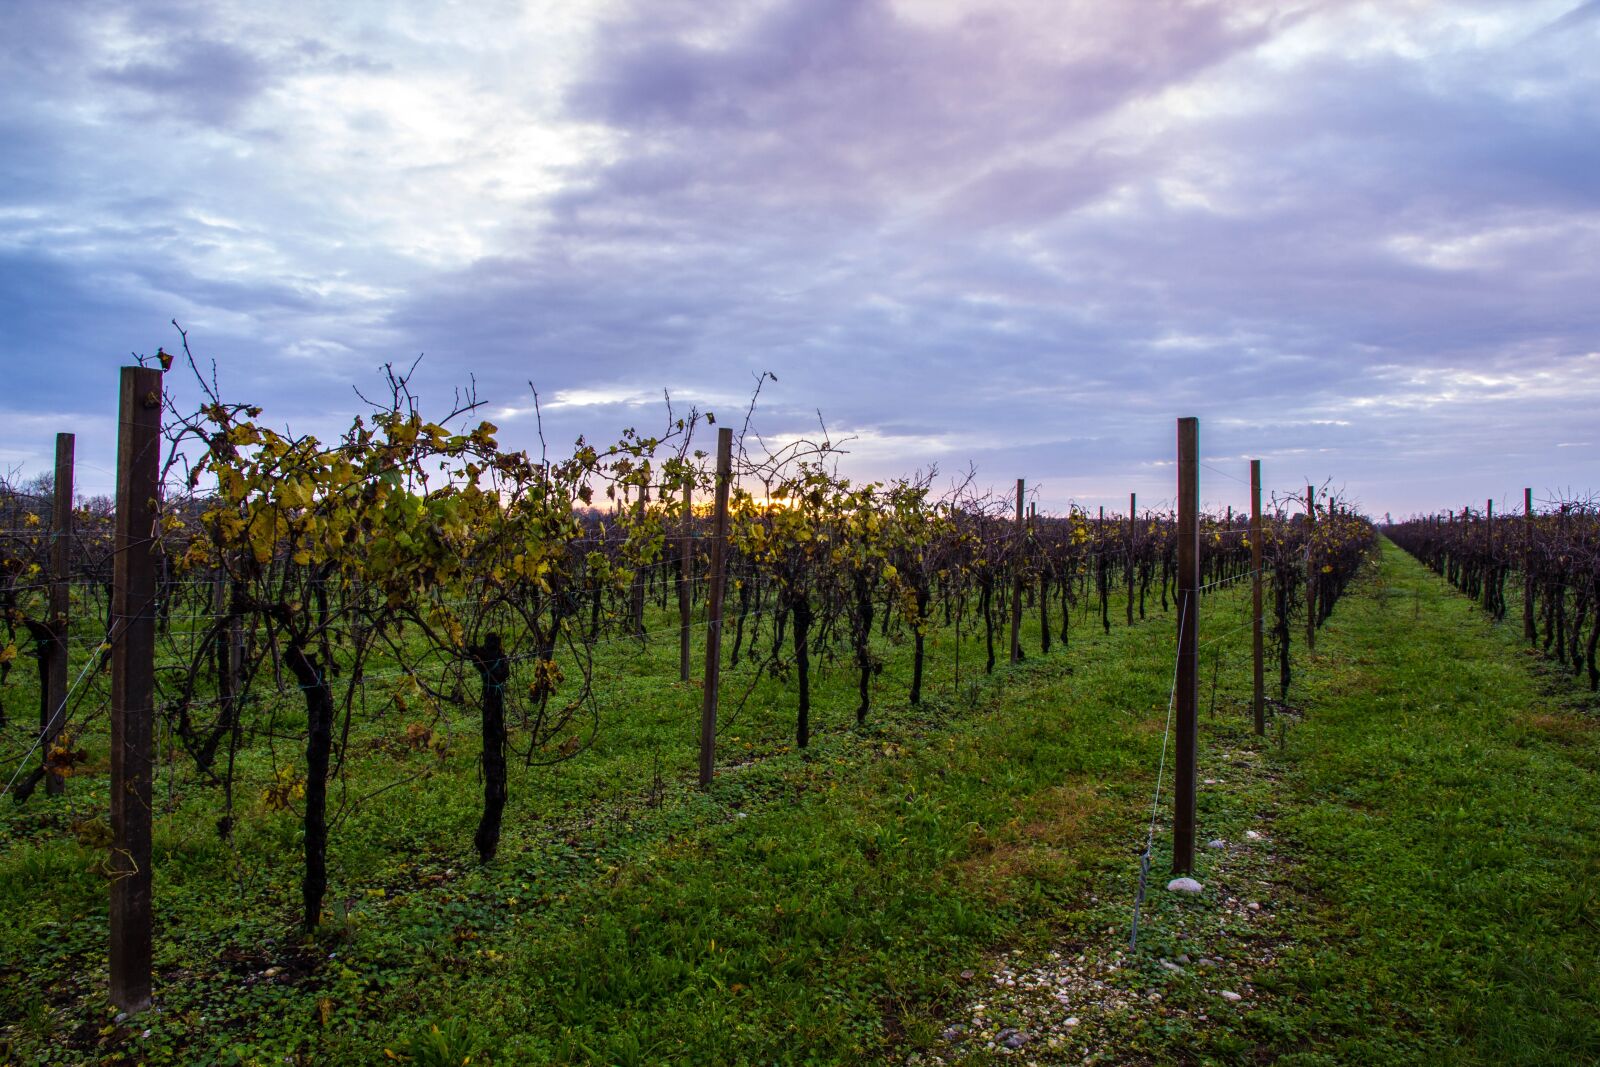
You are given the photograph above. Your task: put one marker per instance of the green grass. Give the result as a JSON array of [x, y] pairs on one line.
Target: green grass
[[1433, 890], [1445, 804], [839, 886]]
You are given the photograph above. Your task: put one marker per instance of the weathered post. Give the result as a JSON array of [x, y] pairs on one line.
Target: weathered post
[[713, 675], [1127, 572], [1188, 691], [1044, 583], [1528, 630], [54, 709], [636, 593], [685, 584], [1488, 543], [132, 639], [1258, 642], [1311, 568], [1016, 584]]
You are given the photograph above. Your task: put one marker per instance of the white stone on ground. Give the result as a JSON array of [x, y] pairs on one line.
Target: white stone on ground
[[1184, 885]]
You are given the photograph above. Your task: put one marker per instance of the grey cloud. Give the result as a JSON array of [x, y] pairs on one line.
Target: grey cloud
[[1031, 193], [204, 81], [1288, 302], [1587, 12], [843, 93], [950, 237]]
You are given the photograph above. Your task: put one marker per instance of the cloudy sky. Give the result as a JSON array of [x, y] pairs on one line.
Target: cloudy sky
[[1360, 240]]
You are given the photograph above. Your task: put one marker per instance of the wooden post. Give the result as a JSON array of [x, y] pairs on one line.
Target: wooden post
[[1258, 636], [719, 556], [1488, 540], [1311, 568], [1188, 691], [1133, 503], [636, 594], [685, 583], [1016, 585], [1102, 571], [133, 597], [54, 710], [1528, 630]]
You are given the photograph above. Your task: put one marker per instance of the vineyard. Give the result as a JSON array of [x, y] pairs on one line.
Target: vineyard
[[412, 679], [1553, 555]]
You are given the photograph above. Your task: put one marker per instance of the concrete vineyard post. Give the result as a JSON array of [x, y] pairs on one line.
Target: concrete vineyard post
[[1188, 690], [1258, 636], [1016, 585], [132, 639], [55, 705], [719, 556]]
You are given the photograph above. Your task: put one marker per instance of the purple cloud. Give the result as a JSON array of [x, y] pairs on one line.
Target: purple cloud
[[1350, 237]]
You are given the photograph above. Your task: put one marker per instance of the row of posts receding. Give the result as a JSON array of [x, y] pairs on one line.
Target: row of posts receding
[[132, 640]]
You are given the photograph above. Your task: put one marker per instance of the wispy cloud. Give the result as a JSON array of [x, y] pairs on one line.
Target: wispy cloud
[[1359, 240]]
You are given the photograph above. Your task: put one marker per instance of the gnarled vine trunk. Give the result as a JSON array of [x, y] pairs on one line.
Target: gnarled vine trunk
[[319, 745], [493, 673], [917, 646], [802, 663], [863, 635]]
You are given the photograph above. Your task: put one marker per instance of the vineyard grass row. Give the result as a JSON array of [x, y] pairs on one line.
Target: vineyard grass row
[[590, 937], [1436, 810], [1444, 797]]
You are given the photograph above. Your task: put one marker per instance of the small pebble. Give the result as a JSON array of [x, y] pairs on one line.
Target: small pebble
[[1184, 885], [1216, 843], [1231, 997]]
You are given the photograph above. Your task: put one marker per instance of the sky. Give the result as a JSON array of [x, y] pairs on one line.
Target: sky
[[1360, 241]]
